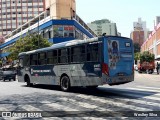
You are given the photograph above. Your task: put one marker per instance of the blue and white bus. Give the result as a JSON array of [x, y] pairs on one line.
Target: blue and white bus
[[90, 62]]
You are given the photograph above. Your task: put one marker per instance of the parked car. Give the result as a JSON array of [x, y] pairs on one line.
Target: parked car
[[8, 74], [135, 67]]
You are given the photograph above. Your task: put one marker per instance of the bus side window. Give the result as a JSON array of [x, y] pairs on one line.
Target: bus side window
[[78, 54], [62, 56], [42, 58], [26, 60], [52, 57], [33, 59], [92, 52]]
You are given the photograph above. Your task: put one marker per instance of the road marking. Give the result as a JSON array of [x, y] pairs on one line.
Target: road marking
[[7, 107], [87, 105], [137, 101], [139, 94], [82, 104], [3, 109], [119, 104], [61, 107], [30, 108], [141, 89], [53, 118], [156, 88]]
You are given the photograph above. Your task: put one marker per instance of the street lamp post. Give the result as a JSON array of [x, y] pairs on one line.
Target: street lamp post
[[38, 32], [38, 28]]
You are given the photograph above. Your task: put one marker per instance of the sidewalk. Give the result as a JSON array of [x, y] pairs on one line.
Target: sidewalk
[[155, 72]]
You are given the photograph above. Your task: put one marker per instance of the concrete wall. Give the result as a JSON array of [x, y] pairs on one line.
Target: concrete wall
[[61, 9], [108, 28]]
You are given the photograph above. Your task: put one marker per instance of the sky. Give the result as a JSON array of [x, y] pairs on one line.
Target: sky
[[121, 12]]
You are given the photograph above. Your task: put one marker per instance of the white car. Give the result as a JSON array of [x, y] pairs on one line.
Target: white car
[[136, 67]]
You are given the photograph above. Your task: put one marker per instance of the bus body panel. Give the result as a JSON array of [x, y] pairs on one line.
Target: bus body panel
[[87, 74], [81, 74], [20, 74], [118, 55], [44, 74]]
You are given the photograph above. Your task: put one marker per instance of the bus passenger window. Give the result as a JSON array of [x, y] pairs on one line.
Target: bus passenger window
[[42, 58], [52, 57], [92, 52], [26, 60], [62, 56], [78, 54], [33, 59]]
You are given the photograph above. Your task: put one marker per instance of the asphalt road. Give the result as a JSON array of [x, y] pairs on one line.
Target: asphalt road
[[120, 101]]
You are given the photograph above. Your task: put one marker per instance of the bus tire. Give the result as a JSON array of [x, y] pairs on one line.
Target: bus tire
[[29, 84], [65, 83]]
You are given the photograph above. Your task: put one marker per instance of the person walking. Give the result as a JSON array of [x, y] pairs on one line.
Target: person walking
[[157, 68]]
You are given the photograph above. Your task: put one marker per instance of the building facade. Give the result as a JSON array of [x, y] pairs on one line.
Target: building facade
[[137, 37], [51, 24], [14, 13], [157, 20], [141, 26], [152, 44], [104, 26]]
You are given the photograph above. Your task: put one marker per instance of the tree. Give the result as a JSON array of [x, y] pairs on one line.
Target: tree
[[136, 57], [27, 43], [146, 56]]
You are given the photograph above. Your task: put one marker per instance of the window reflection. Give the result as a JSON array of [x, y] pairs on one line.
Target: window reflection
[[69, 31], [62, 31], [58, 31]]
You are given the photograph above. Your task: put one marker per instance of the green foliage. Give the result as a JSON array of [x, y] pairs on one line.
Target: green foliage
[[29, 42], [0, 62], [137, 56], [146, 56]]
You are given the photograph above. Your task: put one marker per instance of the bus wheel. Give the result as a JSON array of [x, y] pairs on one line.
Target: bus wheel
[[65, 83], [29, 84]]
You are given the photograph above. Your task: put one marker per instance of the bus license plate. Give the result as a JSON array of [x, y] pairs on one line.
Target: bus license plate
[[120, 74]]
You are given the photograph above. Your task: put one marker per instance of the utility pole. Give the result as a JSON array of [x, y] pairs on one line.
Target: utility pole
[[38, 32]]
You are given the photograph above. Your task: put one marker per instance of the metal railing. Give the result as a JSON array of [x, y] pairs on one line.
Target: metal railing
[[42, 16]]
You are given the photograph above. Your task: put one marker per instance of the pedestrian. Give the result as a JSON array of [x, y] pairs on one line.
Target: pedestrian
[[157, 68]]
